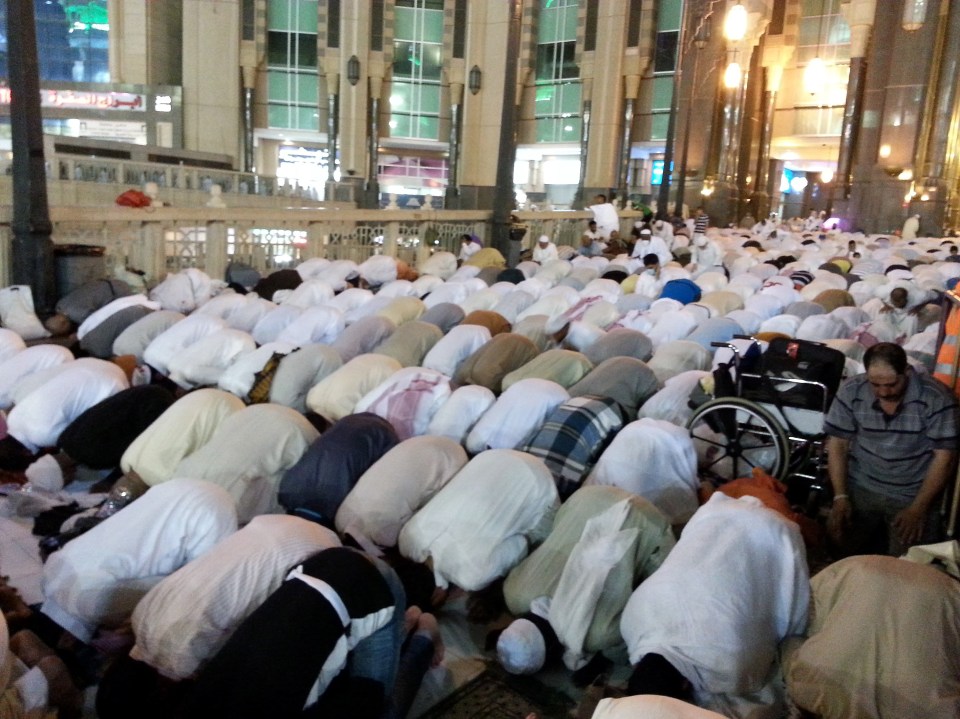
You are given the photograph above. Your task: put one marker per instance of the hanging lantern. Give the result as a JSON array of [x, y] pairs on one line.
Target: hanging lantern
[[732, 75], [914, 14]]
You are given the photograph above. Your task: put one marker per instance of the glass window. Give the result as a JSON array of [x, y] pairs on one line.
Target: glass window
[[558, 93], [658, 126], [292, 78], [296, 49], [665, 55], [662, 93], [417, 67], [292, 15], [822, 33], [669, 13], [72, 40]]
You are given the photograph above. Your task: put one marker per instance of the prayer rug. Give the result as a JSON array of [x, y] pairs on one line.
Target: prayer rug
[[498, 695]]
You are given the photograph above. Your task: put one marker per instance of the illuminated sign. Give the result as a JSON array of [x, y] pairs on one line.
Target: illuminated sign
[[75, 99], [656, 172]]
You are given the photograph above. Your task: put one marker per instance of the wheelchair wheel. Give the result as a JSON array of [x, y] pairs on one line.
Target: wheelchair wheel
[[732, 436]]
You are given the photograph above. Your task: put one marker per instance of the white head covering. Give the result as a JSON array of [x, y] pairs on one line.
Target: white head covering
[[784, 324], [378, 270], [521, 648]]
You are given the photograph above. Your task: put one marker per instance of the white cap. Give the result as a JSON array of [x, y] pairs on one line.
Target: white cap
[[45, 474], [521, 648], [544, 239]]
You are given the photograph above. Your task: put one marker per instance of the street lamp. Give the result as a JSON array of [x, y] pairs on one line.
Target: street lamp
[[732, 76], [735, 23], [353, 70], [474, 78]]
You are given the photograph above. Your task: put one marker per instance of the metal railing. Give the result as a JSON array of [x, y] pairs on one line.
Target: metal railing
[[166, 239]]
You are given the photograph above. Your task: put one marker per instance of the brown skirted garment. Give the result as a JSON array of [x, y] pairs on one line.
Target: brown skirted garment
[[831, 299], [495, 360], [493, 321]]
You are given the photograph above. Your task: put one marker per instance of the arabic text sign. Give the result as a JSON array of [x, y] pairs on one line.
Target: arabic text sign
[[84, 99]]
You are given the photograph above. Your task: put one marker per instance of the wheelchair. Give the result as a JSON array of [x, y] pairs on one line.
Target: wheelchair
[[767, 413]]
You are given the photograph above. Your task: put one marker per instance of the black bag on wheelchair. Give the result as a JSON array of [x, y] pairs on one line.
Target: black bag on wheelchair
[[787, 358]]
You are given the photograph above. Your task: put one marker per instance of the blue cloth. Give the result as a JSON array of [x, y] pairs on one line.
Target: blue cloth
[[320, 481], [683, 291], [377, 657], [716, 329]]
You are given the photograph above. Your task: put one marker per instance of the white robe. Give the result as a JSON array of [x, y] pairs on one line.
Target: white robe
[[38, 420], [735, 585], [249, 454], [21, 365], [205, 360], [10, 344], [181, 430], [99, 577], [173, 341], [481, 524], [545, 253], [656, 460], [454, 347], [187, 618], [398, 484], [457, 416], [516, 415]]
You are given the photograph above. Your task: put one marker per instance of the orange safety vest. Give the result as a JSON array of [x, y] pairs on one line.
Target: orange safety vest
[[947, 354]]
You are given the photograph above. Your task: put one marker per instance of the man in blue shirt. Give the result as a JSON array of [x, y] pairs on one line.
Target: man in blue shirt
[[892, 448]]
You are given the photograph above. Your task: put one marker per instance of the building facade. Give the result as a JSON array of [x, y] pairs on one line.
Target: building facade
[[745, 108]]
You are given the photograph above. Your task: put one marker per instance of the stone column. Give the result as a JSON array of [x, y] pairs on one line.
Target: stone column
[[631, 92], [372, 188], [859, 15], [579, 201], [333, 124], [934, 180], [215, 250], [453, 179], [760, 198]]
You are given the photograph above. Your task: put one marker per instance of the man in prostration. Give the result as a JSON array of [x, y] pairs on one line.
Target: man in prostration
[[570, 592], [337, 610], [853, 664], [892, 448], [707, 624]]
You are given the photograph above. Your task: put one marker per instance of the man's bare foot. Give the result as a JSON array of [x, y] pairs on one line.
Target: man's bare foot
[[12, 604], [29, 648], [427, 625], [62, 692], [410, 619]]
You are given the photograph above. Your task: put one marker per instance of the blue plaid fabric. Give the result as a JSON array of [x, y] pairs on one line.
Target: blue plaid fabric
[[573, 438]]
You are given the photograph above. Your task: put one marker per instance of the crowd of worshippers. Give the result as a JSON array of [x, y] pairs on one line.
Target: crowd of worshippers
[[286, 476]]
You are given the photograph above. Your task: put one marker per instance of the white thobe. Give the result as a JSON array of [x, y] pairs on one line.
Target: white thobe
[[187, 618], [99, 577], [735, 585], [481, 524], [38, 420]]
